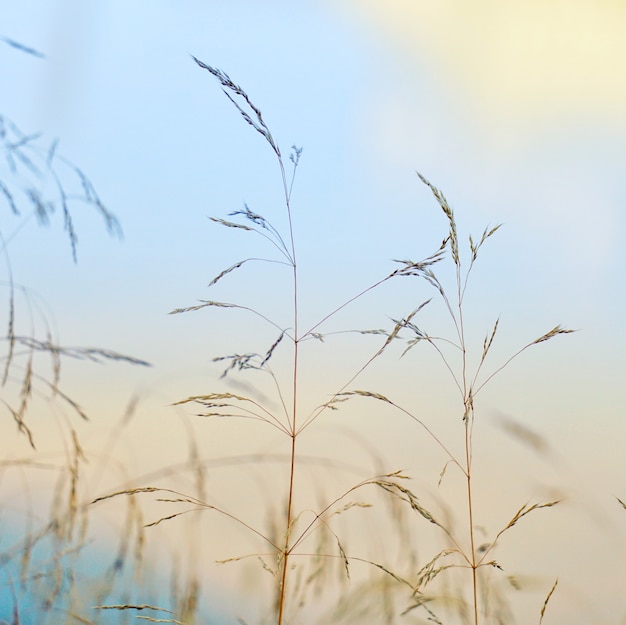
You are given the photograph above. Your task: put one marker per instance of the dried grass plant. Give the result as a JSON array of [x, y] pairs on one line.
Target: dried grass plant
[[296, 526], [462, 548]]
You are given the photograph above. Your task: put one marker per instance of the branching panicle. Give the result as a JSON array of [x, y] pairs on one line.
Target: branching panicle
[[231, 90]]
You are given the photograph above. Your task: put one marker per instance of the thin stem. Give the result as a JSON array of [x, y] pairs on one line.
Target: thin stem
[[446, 363], [468, 461], [286, 548], [346, 303], [468, 421], [293, 424], [500, 368], [279, 393]]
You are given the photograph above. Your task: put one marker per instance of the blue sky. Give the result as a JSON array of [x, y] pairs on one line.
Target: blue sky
[[515, 112]]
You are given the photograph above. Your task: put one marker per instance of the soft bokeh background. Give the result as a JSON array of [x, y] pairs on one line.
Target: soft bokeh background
[[515, 110]]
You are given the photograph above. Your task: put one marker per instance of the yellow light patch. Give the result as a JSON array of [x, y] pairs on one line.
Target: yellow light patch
[[517, 58]]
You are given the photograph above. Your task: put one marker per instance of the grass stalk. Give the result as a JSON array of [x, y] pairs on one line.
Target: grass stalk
[[294, 409], [293, 425], [252, 115], [471, 386]]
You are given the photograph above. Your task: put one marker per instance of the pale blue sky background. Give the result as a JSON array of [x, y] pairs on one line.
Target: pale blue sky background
[[515, 112]]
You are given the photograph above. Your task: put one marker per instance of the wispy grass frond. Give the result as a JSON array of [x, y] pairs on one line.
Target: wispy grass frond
[[128, 492], [526, 509], [412, 268], [35, 163], [213, 396], [93, 354], [131, 492], [401, 324], [239, 264], [18, 417], [233, 91], [238, 362], [344, 557], [430, 570], [406, 495], [421, 603], [360, 393], [66, 398], [205, 304], [386, 570], [170, 516], [474, 247], [548, 597], [275, 236], [232, 224], [21, 47], [487, 343], [552, 333], [253, 361], [228, 270], [441, 199], [9, 198], [521, 513], [556, 331], [214, 304], [216, 408], [270, 351], [271, 233], [11, 321]]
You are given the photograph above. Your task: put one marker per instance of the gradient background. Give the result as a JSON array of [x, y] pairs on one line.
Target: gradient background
[[516, 110]]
